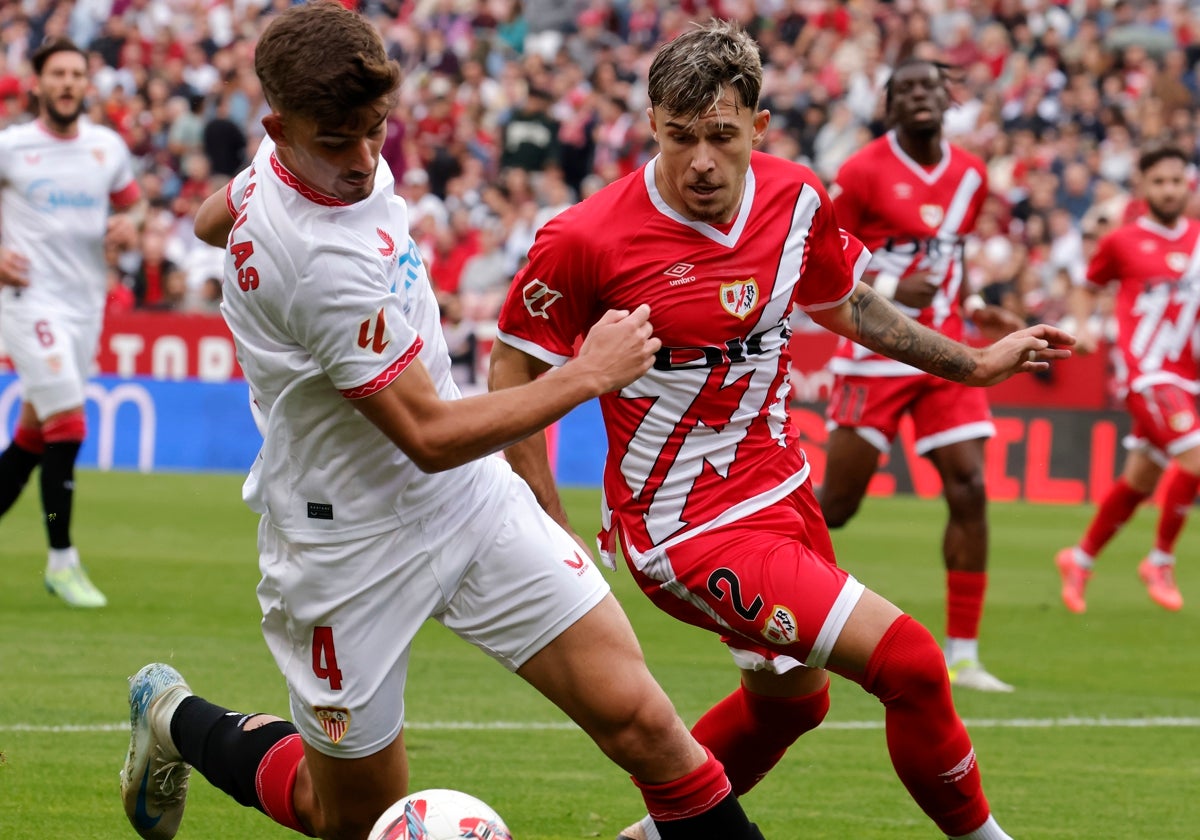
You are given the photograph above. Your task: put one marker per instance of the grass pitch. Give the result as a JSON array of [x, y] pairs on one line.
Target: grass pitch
[[1100, 739]]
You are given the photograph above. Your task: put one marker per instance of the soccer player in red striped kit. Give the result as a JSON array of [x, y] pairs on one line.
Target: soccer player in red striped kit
[[705, 486], [912, 198]]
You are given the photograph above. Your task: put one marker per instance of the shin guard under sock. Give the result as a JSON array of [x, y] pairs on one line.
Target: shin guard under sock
[[749, 733], [257, 767], [927, 741], [64, 436], [964, 603]]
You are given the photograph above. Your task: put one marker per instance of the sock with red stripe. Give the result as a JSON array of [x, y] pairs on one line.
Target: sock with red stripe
[[1119, 504], [1177, 501], [257, 767], [749, 733], [700, 804], [17, 464], [928, 744]]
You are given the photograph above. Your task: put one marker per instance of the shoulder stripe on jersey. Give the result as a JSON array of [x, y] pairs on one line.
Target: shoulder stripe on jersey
[[125, 197], [229, 200], [308, 192], [389, 374]]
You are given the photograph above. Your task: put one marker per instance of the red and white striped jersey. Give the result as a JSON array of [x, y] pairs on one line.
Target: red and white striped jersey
[[704, 437], [1158, 272], [911, 218]]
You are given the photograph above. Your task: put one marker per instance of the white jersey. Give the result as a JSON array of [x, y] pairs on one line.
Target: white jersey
[[55, 197], [329, 302]]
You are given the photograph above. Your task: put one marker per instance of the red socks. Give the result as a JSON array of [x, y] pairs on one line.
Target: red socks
[[928, 743], [1118, 505], [275, 780], [749, 733], [1176, 504], [964, 603]]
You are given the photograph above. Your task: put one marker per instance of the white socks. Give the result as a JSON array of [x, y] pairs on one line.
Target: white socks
[[990, 830], [958, 650], [62, 558]]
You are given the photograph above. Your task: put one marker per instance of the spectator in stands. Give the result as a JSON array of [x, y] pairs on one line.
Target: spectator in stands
[[530, 135]]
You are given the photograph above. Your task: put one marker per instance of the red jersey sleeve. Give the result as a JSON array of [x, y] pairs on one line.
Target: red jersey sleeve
[[826, 273], [846, 194], [1103, 267], [549, 304]]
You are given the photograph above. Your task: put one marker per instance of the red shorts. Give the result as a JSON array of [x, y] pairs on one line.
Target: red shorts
[[1164, 419], [943, 412], [768, 583]]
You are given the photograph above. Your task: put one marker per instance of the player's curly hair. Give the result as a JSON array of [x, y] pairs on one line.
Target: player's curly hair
[[690, 73], [1156, 151], [323, 61]]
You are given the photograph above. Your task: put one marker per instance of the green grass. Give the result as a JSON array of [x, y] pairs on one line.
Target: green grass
[[176, 556]]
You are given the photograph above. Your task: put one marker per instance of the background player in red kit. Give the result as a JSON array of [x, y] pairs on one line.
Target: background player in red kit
[[1156, 261], [704, 484], [911, 198]]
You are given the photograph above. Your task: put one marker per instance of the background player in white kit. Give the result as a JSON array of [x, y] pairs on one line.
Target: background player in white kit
[[378, 507], [706, 487], [60, 176]]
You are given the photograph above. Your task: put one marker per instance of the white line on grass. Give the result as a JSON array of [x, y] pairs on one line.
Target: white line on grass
[[537, 726]]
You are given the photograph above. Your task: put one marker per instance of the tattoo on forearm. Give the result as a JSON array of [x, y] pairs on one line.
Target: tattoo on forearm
[[884, 329]]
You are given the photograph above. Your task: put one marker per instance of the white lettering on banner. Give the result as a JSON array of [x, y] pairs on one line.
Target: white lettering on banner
[[126, 347], [107, 404], [169, 358], [214, 362]]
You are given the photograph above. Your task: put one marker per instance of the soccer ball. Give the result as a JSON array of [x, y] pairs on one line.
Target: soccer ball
[[440, 814]]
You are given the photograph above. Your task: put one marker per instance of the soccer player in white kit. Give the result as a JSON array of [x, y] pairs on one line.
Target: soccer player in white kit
[[60, 178], [378, 507]]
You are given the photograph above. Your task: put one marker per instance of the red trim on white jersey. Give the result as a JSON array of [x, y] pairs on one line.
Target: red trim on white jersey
[[388, 376], [229, 205], [126, 197], [296, 184]]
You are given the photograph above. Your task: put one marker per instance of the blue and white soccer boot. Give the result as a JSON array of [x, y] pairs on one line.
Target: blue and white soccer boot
[[155, 777]]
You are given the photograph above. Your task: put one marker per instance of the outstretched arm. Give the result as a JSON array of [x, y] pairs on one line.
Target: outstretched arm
[[867, 318], [439, 434]]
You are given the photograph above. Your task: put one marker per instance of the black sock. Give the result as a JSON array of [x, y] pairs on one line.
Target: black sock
[[16, 465], [58, 490], [725, 821], [211, 739]]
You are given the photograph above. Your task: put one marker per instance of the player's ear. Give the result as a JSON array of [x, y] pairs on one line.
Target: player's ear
[[761, 120], [273, 123], [653, 124]]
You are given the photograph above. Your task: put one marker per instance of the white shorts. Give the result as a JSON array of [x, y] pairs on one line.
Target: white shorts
[[51, 354], [340, 619]]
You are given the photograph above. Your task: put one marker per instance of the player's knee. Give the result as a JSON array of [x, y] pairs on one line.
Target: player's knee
[[907, 663], [966, 493]]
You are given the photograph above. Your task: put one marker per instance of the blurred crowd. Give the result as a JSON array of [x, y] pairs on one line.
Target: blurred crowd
[[511, 111]]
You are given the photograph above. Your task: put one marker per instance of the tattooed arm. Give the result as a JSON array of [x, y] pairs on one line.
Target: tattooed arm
[[872, 321]]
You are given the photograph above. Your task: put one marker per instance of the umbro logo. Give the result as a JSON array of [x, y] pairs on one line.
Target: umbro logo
[[680, 274]]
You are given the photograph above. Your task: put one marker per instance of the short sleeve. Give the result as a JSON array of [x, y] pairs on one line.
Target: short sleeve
[[356, 331], [826, 275], [551, 300], [1103, 267]]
